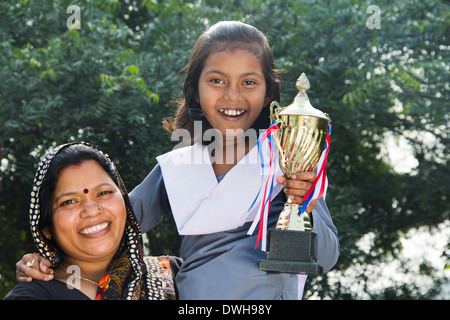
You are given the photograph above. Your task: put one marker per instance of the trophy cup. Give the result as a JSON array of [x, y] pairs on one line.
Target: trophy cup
[[300, 141]]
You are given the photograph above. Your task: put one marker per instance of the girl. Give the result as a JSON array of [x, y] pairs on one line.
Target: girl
[[211, 187]]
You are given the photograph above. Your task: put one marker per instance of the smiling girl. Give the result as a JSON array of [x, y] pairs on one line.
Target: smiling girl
[[230, 82]]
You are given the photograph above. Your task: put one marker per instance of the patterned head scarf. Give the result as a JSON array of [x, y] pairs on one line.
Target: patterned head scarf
[[127, 276]]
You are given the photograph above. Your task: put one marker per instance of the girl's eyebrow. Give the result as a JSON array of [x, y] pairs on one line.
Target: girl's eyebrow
[[246, 74]]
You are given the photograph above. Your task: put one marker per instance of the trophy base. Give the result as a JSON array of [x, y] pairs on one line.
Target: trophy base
[[290, 267], [291, 252]]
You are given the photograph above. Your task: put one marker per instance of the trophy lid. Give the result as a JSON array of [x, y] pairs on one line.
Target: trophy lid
[[301, 105]]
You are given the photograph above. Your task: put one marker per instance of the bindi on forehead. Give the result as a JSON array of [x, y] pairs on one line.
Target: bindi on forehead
[[86, 190]]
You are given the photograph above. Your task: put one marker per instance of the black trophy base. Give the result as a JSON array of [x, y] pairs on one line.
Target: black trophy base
[[291, 252], [290, 267]]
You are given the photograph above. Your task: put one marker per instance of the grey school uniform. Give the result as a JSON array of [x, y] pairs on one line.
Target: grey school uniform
[[224, 265]]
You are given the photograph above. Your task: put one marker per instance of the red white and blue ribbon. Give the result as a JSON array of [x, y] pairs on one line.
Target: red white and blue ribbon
[[266, 186], [320, 184], [317, 190]]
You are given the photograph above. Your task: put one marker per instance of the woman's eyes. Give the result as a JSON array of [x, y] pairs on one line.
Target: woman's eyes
[[102, 194], [67, 202]]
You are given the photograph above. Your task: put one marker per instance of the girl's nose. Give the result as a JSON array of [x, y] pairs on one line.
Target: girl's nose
[[233, 93]]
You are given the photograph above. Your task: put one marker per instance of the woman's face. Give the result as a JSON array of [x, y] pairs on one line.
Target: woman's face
[[88, 213]]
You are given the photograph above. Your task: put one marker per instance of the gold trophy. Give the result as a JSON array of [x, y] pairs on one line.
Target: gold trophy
[[300, 141]]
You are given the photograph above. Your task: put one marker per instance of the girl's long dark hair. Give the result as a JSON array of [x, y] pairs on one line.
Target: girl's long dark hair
[[225, 35]]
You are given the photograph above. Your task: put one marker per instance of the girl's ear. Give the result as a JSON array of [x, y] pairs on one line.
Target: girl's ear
[[46, 232], [268, 99]]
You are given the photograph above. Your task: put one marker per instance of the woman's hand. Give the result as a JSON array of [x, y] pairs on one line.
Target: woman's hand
[[298, 186], [33, 266]]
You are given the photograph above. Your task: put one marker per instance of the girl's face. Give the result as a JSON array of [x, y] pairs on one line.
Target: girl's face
[[232, 90], [82, 230]]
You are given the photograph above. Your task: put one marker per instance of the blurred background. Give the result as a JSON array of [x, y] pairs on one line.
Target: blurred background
[[107, 72]]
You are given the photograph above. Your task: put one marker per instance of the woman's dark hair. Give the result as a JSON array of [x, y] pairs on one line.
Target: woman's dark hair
[[71, 155], [225, 35]]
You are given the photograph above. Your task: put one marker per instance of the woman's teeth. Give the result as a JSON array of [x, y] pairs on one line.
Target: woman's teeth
[[232, 112], [94, 229]]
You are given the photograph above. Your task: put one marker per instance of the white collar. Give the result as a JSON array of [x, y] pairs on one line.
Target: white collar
[[201, 205]]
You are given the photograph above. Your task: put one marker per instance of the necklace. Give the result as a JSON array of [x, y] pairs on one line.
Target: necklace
[[78, 276]]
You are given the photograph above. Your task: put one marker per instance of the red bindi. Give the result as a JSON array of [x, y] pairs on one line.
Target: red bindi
[[85, 190]]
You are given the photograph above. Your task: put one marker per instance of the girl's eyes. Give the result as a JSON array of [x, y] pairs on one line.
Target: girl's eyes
[[249, 82], [216, 81], [246, 82]]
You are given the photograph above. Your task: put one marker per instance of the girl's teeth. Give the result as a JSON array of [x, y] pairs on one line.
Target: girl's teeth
[[232, 113]]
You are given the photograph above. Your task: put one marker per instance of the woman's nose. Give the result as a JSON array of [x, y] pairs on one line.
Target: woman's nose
[[90, 209]]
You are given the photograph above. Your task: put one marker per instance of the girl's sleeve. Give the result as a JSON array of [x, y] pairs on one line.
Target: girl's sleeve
[[149, 200], [326, 243]]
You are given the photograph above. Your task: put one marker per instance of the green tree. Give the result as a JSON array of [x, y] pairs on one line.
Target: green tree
[[112, 81], [93, 84], [373, 82]]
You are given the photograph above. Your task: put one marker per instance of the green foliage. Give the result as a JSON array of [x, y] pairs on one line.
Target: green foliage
[[112, 81]]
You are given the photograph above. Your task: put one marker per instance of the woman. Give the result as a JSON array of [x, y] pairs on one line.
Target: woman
[[83, 223]]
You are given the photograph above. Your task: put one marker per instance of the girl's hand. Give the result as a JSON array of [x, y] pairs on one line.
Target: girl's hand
[[33, 266], [298, 186]]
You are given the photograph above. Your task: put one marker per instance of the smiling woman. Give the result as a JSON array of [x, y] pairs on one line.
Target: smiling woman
[[81, 230], [83, 223]]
